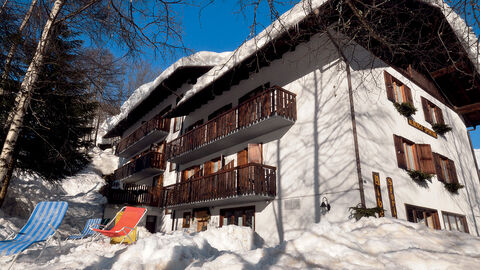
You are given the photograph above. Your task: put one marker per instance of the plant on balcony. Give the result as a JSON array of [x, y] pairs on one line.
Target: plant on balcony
[[419, 176], [405, 108], [441, 128], [360, 211], [453, 187]]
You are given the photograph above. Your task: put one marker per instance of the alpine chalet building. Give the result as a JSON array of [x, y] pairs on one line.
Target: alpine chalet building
[[302, 123]]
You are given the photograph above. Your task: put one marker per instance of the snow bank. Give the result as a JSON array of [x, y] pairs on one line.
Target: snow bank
[[384, 243], [80, 191]]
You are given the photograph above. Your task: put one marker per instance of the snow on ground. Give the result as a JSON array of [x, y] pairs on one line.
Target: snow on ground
[[367, 244], [384, 243], [80, 191]]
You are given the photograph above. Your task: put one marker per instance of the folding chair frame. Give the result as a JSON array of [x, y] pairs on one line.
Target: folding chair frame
[[45, 242], [123, 229]]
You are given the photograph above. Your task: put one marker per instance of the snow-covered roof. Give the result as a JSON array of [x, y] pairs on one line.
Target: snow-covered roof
[[203, 58], [294, 16]]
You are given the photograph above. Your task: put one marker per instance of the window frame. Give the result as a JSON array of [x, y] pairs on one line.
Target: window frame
[[458, 218], [424, 210], [237, 209]]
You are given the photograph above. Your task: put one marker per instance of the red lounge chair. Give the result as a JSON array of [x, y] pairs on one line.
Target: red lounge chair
[[127, 223]]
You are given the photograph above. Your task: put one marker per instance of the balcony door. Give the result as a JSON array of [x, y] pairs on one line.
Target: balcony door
[[246, 174]]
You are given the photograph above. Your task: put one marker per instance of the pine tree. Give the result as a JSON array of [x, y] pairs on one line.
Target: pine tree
[[52, 142]]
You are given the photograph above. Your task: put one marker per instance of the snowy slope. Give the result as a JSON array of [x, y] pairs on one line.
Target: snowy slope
[[80, 191]]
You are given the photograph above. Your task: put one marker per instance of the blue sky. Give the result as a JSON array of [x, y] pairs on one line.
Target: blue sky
[[221, 27]]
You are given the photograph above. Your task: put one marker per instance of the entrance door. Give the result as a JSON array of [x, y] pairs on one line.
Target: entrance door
[[202, 220]]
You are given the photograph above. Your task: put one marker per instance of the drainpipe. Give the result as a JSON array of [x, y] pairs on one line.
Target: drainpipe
[[352, 116]]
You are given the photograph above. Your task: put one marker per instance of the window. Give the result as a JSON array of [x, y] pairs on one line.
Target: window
[[253, 93], [177, 124], [455, 222], [213, 166], [244, 216], [186, 219], [396, 90], [411, 156], [433, 114], [192, 172], [427, 216], [194, 125], [173, 166], [220, 111], [445, 169]]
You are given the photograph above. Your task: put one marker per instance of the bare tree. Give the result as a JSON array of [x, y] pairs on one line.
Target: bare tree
[[14, 46], [112, 21]]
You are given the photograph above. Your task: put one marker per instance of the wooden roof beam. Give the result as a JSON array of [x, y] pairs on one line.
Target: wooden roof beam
[[446, 70], [468, 108]]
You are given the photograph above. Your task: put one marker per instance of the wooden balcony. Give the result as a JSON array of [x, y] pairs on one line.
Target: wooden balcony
[[154, 130], [247, 183], [148, 164], [135, 195], [267, 112]]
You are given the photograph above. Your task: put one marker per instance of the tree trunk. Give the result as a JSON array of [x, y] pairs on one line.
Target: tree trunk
[[13, 48], [23, 96], [6, 181]]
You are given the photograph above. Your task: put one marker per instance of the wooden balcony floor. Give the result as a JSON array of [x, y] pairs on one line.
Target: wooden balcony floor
[[240, 199]]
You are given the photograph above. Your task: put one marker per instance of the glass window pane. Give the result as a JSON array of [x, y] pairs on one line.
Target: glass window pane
[[410, 158], [453, 223], [461, 223], [445, 170], [445, 221]]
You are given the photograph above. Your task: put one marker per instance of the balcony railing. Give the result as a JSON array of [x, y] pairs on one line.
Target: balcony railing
[[156, 124], [148, 163], [135, 195], [274, 102], [252, 181], [243, 181]]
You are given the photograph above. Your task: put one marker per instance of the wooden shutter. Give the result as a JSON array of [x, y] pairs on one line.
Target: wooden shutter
[[426, 111], [402, 162], [242, 158], [439, 114], [408, 94], [452, 171], [389, 86], [425, 158], [254, 153], [438, 167]]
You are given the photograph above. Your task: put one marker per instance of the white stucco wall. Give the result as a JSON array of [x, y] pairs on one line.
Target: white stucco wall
[[315, 157], [378, 120]]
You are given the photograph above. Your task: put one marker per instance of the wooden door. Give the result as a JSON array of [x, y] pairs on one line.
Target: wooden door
[[255, 153], [202, 220]]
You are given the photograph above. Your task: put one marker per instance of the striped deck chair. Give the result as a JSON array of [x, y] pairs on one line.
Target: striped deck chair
[[40, 227], [128, 221], [87, 231]]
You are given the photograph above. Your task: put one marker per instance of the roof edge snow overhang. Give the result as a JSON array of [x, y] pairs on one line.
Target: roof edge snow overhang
[[149, 95]]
